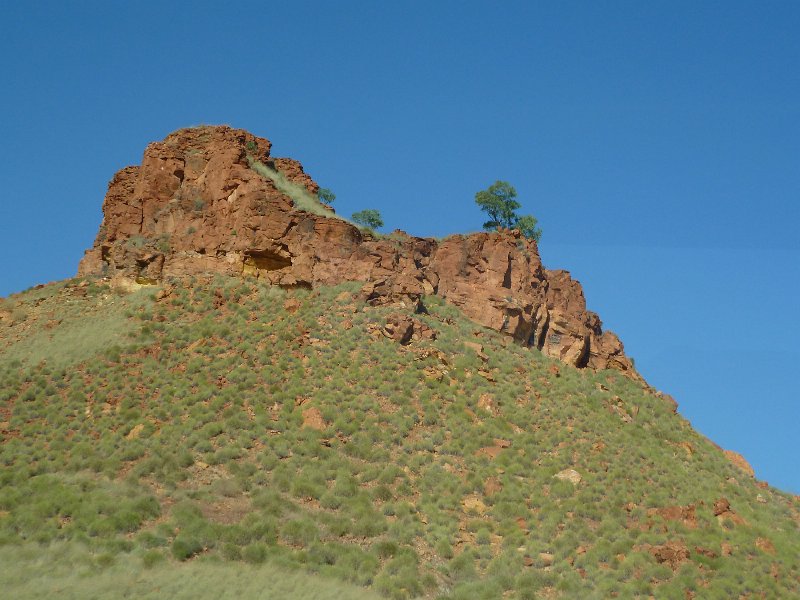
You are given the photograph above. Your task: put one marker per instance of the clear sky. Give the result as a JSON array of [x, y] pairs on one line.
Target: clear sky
[[658, 143]]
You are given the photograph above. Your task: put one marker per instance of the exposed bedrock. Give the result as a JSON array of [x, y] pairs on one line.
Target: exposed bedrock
[[196, 206]]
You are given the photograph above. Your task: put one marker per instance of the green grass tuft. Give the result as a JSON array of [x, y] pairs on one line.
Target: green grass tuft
[[302, 198]]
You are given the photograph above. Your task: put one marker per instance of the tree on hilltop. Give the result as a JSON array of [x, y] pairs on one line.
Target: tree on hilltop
[[527, 225], [499, 202], [325, 195], [369, 218]]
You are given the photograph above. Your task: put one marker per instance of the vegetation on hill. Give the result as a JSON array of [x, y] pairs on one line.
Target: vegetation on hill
[[216, 430], [326, 195], [368, 218], [301, 197], [499, 202]]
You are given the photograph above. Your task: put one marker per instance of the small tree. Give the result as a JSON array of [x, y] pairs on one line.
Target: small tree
[[527, 227], [369, 218], [325, 195], [499, 202]]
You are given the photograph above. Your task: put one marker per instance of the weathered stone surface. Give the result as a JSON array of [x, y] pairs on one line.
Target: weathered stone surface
[[135, 432], [492, 486], [312, 418], [474, 504], [723, 511], [495, 449], [400, 328], [195, 206], [721, 506], [702, 551], [765, 545], [404, 329], [685, 514], [546, 558], [570, 475], [486, 403], [726, 548], [478, 349], [671, 553]]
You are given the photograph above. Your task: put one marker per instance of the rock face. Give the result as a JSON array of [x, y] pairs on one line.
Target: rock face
[[196, 206]]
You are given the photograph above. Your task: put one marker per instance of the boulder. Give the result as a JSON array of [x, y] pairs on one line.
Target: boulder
[[723, 511], [721, 506], [474, 504], [570, 475], [399, 328]]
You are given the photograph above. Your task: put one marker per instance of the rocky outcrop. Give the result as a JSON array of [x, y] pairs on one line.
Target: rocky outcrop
[[673, 554], [723, 511], [682, 514], [739, 461], [404, 329], [200, 202]]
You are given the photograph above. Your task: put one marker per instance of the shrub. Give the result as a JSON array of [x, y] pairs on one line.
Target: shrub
[[368, 218], [400, 578], [325, 195], [148, 539], [444, 549], [462, 567], [152, 557], [385, 549], [231, 551], [255, 553], [184, 548], [562, 489], [368, 523], [479, 590], [300, 532], [355, 565], [306, 488]]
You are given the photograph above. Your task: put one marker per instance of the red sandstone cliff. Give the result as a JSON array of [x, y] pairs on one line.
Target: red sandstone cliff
[[195, 206]]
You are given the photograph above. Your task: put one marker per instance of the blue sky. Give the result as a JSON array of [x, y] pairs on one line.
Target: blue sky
[[658, 143]]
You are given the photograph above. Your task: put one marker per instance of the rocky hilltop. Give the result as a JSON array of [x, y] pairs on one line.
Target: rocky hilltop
[[213, 200]]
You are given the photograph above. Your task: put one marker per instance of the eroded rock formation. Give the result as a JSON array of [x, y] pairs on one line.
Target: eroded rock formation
[[196, 206]]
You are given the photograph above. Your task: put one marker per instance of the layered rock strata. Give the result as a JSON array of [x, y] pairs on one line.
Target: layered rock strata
[[200, 203]]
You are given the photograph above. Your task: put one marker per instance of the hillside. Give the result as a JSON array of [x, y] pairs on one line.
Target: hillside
[[299, 417]]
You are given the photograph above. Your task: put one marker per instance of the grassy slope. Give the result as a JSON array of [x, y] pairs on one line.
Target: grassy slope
[[71, 572], [175, 433], [61, 323], [302, 198]]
